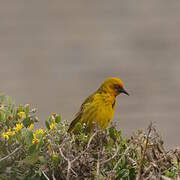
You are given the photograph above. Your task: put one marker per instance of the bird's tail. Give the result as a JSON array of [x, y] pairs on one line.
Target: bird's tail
[[73, 124]]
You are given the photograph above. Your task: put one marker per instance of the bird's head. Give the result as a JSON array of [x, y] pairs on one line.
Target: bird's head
[[113, 86]]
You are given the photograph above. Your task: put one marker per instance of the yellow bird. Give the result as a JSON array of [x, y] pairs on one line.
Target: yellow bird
[[99, 107]]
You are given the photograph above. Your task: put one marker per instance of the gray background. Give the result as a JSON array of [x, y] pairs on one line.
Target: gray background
[[53, 54]]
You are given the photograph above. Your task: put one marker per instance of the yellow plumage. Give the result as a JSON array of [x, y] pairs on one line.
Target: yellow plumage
[[99, 107]]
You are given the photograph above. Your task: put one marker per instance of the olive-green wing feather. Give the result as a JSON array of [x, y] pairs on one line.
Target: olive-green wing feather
[[79, 114], [74, 122]]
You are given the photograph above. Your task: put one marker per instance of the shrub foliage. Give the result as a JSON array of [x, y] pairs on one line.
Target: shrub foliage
[[52, 153]]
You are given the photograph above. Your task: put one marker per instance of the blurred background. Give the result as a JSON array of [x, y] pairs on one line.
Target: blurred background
[[53, 54]]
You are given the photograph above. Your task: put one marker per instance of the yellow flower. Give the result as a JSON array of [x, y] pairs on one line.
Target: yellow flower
[[52, 125], [38, 135], [10, 132], [31, 127], [35, 139], [22, 115], [40, 131], [18, 127], [5, 136]]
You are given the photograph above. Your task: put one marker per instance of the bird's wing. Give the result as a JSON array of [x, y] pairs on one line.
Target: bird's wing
[[80, 112], [74, 122]]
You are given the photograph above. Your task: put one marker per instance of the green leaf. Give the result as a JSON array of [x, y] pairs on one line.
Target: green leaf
[[28, 136], [78, 128], [113, 133], [123, 173], [40, 144], [58, 118], [2, 97], [27, 109], [31, 159], [2, 116], [9, 101], [132, 173], [32, 149], [20, 108], [47, 124], [27, 122], [42, 159], [55, 158], [16, 115]]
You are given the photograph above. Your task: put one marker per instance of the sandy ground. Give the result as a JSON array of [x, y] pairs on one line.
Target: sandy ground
[[53, 54]]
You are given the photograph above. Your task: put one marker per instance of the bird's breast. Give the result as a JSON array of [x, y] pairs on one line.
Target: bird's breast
[[105, 111]]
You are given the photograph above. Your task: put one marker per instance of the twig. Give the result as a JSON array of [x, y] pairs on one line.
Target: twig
[[53, 176], [91, 138], [149, 177], [72, 161], [97, 167], [122, 155], [68, 170], [87, 147], [165, 178], [69, 164], [147, 170], [139, 175], [134, 163], [74, 172], [45, 175], [2, 159], [114, 155], [60, 150]]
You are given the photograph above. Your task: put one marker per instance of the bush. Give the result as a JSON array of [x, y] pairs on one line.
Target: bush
[[52, 153]]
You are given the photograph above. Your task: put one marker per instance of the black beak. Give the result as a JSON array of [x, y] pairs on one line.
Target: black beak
[[120, 89], [125, 92]]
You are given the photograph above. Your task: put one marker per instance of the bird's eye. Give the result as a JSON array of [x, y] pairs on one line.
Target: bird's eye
[[118, 87]]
